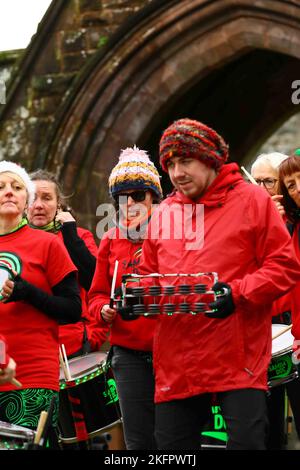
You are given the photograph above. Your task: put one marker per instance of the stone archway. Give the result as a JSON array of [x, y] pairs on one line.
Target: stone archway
[[155, 66]]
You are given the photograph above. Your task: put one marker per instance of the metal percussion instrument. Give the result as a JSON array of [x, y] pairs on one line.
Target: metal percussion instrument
[[169, 294], [14, 437]]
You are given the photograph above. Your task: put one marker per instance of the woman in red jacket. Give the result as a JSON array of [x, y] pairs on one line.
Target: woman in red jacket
[[134, 185], [47, 214], [265, 170], [289, 179]]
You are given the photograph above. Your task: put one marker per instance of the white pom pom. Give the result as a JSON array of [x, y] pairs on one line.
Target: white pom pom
[[134, 154]]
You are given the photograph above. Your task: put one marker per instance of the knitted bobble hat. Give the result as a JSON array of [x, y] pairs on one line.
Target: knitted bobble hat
[[192, 139], [134, 171], [11, 167]]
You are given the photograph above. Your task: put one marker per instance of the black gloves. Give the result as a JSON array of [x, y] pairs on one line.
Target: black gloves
[[224, 305], [127, 312], [21, 290]]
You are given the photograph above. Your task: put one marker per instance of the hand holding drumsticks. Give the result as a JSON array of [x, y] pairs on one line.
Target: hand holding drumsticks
[[7, 374]]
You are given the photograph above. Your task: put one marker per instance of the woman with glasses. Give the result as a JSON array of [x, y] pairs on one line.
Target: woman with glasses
[[134, 185], [265, 171]]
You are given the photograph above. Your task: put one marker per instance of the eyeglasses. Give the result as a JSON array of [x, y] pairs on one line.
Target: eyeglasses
[[268, 183], [137, 196]]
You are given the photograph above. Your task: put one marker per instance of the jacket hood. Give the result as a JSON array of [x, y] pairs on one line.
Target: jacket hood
[[228, 177]]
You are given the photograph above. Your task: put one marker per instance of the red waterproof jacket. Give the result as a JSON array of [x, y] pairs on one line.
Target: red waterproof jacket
[[137, 334], [295, 293], [246, 243]]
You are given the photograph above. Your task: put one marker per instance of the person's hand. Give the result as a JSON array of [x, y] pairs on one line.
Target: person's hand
[[7, 289], [64, 216], [277, 198], [108, 314], [7, 374], [223, 306]]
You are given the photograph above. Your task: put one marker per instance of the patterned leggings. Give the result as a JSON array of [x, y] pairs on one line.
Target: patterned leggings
[[23, 407]]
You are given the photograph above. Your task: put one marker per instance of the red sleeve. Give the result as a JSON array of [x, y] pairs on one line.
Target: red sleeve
[[58, 263], [281, 305], [99, 293], [278, 269], [4, 357], [295, 302], [149, 263], [89, 240]]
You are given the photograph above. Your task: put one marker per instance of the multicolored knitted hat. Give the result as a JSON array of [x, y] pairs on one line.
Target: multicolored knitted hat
[[193, 139], [134, 171]]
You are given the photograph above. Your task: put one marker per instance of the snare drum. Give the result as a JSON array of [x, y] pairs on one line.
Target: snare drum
[[88, 404], [13, 437], [281, 369]]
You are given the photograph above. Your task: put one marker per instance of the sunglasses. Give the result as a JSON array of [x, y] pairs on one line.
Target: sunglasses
[[137, 196]]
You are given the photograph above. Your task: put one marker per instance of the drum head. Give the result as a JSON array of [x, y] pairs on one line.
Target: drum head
[[84, 365], [282, 343]]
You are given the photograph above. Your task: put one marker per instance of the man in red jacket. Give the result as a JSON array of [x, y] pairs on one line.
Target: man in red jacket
[[225, 353]]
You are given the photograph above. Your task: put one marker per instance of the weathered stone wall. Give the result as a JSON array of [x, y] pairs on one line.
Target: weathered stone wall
[[7, 62], [285, 139], [97, 76], [82, 28]]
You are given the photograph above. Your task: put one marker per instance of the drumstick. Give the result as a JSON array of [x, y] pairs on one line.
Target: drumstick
[[2, 360], [282, 331], [66, 362], [62, 364], [48, 421], [248, 175], [40, 427], [113, 285], [13, 381], [16, 383]]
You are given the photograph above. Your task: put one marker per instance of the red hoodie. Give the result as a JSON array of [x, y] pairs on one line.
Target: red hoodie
[[71, 335], [137, 334]]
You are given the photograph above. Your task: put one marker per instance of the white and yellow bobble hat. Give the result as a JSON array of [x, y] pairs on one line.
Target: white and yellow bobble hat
[[135, 171]]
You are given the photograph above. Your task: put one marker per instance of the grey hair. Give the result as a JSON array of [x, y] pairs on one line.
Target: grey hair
[[272, 160]]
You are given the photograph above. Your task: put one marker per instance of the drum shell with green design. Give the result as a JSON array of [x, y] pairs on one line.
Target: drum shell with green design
[[91, 395], [282, 369], [214, 433]]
